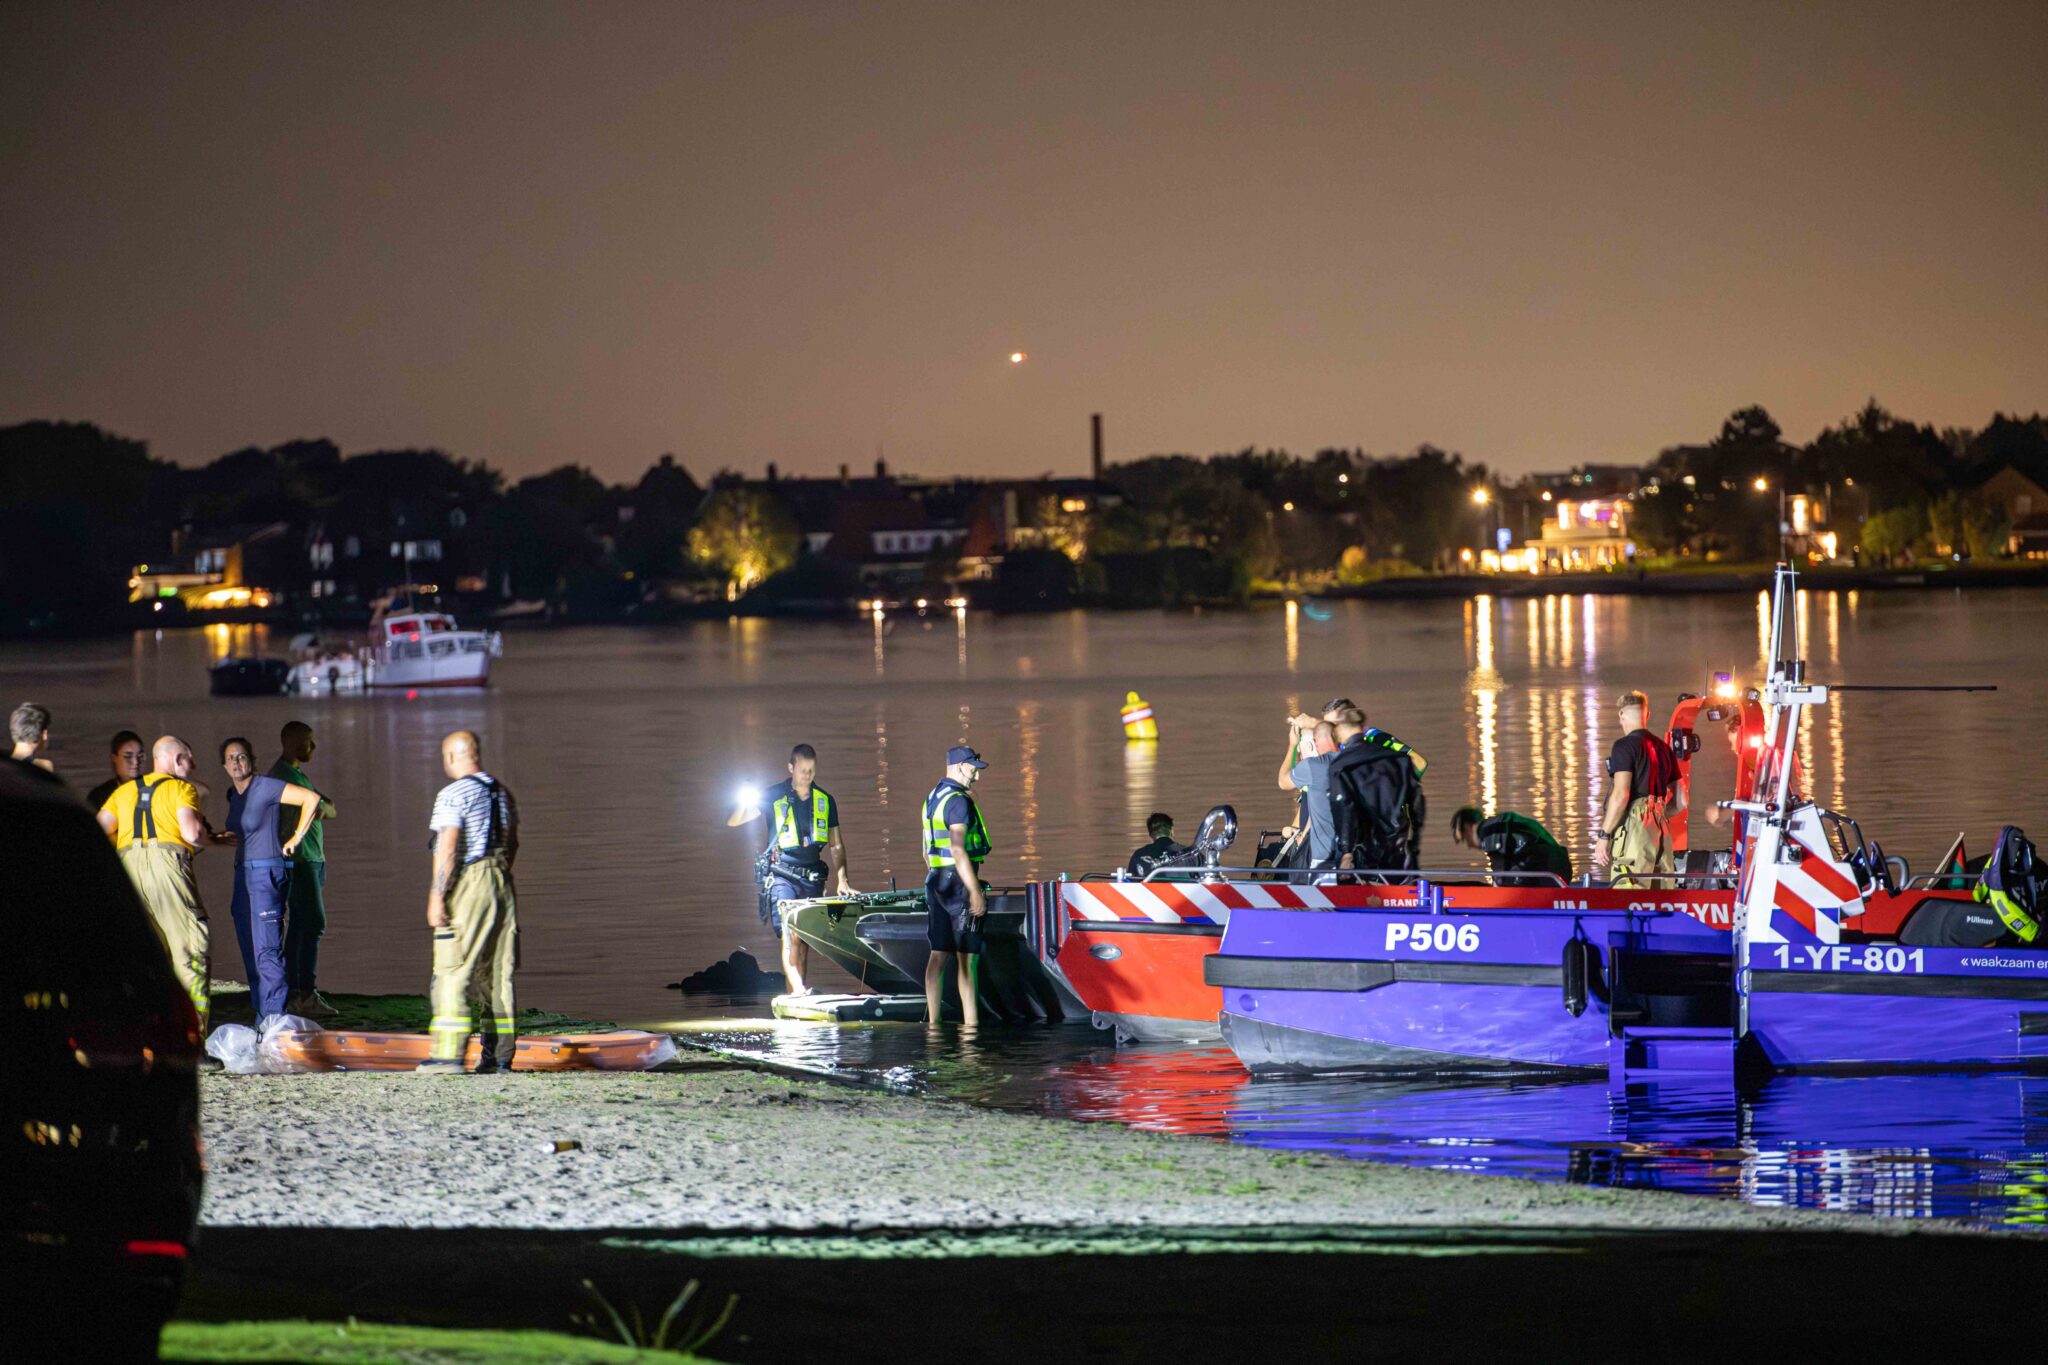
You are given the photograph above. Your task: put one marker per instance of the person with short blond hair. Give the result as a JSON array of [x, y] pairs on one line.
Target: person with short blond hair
[[1633, 840], [473, 911], [157, 828]]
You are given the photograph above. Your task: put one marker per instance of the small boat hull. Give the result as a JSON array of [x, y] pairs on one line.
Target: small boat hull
[[1481, 991], [1009, 983], [1887, 1007], [1132, 953], [247, 677], [829, 926]]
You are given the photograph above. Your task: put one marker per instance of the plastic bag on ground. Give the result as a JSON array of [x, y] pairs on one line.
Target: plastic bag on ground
[[245, 1052]]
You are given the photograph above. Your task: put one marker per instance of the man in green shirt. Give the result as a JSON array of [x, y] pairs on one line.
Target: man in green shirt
[[1511, 842], [305, 917]]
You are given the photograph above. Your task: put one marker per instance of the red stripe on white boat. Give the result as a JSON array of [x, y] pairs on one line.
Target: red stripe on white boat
[[1822, 870], [1787, 900]]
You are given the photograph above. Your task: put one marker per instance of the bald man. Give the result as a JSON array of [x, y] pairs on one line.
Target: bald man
[[305, 917], [157, 828], [473, 913]]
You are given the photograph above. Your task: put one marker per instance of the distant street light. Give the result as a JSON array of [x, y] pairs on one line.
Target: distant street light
[[1763, 485], [1481, 496], [1017, 357], [1287, 507]]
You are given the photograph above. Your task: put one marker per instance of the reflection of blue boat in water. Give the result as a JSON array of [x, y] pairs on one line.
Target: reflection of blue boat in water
[[1823, 971], [1911, 1146]]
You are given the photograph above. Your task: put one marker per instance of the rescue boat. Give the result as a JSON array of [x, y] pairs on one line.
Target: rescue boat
[[1809, 974], [1143, 955]]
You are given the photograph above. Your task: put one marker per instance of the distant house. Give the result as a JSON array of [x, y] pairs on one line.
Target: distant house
[[362, 547], [2025, 504], [898, 531], [217, 568], [1585, 521]]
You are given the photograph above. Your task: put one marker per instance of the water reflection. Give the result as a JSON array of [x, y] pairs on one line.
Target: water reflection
[[1293, 617], [1969, 1147], [624, 744], [1141, 763]]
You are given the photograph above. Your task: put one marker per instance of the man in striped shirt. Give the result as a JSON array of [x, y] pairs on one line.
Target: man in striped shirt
[[473, 912]]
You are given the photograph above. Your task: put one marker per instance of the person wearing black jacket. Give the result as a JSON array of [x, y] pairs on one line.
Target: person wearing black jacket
[[1376, 802]]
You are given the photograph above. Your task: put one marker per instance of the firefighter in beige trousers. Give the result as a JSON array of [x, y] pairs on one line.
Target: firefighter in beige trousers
[[157, 828], [472, 911]]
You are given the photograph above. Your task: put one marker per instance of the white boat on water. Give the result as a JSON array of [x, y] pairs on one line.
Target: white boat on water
[[412, 647], [322, 671]]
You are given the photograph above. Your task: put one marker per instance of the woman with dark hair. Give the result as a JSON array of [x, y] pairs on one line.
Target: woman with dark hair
[[263, 869]]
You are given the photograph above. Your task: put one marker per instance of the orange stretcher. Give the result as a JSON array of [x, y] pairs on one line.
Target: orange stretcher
[[626, 1050]]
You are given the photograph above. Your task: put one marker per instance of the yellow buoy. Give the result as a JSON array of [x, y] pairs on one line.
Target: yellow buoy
[[1138, 722]]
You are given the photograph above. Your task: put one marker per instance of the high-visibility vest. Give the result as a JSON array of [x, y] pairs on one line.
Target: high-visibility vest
[[938, 838], [1387, 741], [2022, 925], [786, 833]]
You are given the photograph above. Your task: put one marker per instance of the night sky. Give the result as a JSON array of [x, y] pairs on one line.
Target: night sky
[[536, 234]]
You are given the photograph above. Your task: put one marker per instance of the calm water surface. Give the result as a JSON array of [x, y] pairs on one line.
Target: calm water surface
[[625, 747]]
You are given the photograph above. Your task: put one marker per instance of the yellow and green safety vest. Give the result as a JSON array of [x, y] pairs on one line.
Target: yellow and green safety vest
[[2018, 922], [938, 839], [787, 835]]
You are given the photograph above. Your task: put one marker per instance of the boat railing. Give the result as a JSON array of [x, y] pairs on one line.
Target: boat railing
[[1311, 876]]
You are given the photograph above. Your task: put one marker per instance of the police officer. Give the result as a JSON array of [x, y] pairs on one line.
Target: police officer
[[955, 843], [805, 853]]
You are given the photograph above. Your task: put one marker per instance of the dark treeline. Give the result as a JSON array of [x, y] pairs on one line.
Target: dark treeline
[[80, 508]]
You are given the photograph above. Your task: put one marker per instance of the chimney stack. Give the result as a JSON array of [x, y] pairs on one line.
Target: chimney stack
[[844, 477], [1095, 445], [881, 468], [771, 471]]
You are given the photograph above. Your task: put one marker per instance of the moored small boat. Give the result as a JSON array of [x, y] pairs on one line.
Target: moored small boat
[[251, 677], [414, 647]]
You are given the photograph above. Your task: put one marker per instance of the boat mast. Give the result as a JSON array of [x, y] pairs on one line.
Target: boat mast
[[1770, 911]]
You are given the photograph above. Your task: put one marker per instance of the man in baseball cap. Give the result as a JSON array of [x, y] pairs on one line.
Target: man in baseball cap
[[955, 844]]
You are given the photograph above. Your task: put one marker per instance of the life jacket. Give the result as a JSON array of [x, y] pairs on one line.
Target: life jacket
[[1377, 807], [938, 838], [1387, 741], [787, 835], [2011, 884]]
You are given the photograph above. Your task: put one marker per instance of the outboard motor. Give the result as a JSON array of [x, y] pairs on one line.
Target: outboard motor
[[1219, 830]]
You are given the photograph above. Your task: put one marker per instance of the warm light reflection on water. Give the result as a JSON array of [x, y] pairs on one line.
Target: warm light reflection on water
[[1967, 1147]]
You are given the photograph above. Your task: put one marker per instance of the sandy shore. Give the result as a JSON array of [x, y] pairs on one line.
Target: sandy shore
[[720, 1147]]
